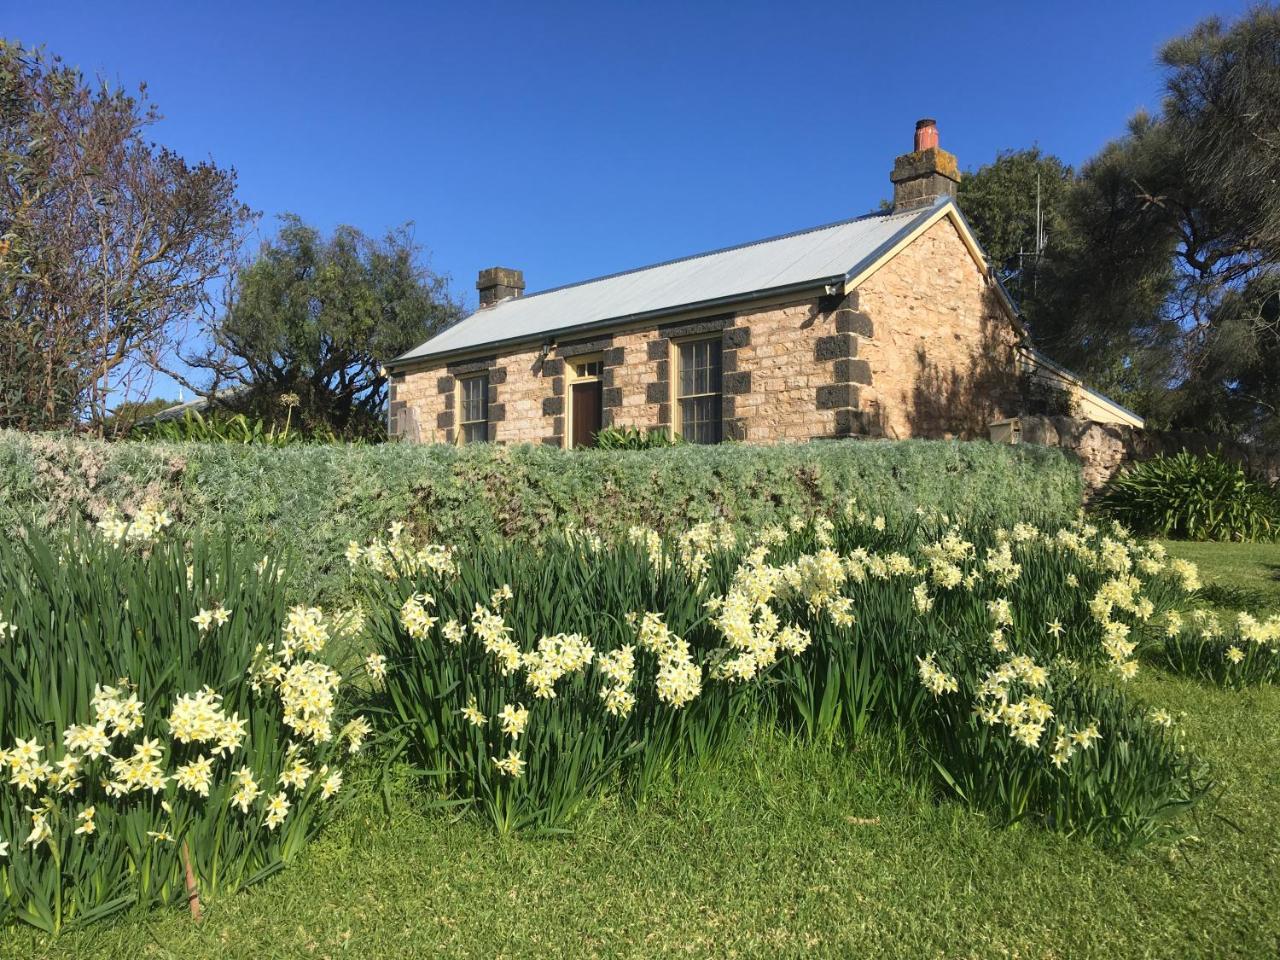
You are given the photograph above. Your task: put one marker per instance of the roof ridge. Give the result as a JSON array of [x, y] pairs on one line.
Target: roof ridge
[[885, 214]]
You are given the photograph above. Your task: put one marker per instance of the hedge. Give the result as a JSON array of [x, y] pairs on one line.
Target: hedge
[[313, 499]]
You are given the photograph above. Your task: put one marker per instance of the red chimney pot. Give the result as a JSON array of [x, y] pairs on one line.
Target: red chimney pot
[[926, 134]]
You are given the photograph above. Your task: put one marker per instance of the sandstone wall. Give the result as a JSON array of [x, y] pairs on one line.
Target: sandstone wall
[[781, 369], [942, 348], [1104, 448]]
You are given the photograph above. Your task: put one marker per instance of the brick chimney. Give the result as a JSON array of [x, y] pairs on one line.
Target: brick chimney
[[926, 174], [499, 283]]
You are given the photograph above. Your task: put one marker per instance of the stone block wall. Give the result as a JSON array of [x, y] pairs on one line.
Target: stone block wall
[[941, 346], [1104, 448], [788, 374]]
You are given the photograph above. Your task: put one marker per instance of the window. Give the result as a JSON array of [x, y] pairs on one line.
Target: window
[[698, 391], [586, 369], [473, 407]]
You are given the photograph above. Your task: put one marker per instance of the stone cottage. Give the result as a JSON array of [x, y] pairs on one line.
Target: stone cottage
[[886, 325]]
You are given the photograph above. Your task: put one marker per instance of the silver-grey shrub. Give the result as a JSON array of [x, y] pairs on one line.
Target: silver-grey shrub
[[312, 500]]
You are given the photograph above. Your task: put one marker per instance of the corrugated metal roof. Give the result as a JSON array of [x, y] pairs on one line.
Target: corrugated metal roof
[[805, 257]]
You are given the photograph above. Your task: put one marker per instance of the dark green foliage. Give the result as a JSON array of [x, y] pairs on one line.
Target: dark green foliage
[[1125, 788], [633, 438], [194, 427], [1193, 498], [314, 499], [1243, 653], [313, 319], [1121, 788], [572, 749], [1000, 202], [1192, 654], [1163, 288]]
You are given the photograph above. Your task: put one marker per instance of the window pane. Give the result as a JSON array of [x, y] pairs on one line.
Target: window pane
[[700, 419], [686, 369], [473, 402], [699, 367], [699, 385]]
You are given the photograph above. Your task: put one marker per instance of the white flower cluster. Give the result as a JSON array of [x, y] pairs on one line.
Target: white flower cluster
[[652, 544], [308, 694], [1002, 699], [206, 620], [415, 619], [304, 632], [495, 635], [679, 678], [1120, 593], [145, 527], [583, 538], [555, 656], [199, 718], [619, 667], [397, 556], [696, 545], [1261, 633], [935, 680]]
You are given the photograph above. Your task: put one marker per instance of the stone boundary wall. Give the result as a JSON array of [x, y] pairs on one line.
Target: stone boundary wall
[[1104, 448]]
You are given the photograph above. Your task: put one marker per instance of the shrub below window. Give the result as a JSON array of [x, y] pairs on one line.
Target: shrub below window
[[633, 438]]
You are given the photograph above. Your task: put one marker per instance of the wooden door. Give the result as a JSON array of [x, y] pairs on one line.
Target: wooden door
[[586, 413]]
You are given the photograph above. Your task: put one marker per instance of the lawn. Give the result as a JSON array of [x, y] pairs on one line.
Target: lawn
[[1244, 575], [784, 849]]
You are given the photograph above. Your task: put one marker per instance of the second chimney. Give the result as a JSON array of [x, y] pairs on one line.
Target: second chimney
[[925, 175], [499, 283]]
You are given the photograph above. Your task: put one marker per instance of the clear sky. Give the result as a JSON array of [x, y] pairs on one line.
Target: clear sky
[[572, 140]]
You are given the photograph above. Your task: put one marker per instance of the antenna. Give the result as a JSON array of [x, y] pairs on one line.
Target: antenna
[[1039, 236]]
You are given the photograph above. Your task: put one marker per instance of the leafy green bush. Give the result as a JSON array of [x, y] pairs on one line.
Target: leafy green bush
[[633, 438], [526, 680], [165, 726], [194, 427], [1193, 498], [314, 499]]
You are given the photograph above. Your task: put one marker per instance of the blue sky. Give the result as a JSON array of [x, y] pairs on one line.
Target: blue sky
[[571, 140]]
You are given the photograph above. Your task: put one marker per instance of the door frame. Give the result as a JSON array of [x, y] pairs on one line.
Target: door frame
[[572, 366]]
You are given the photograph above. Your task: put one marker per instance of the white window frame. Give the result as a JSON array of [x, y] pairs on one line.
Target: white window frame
[[459, 404], [677, 365]]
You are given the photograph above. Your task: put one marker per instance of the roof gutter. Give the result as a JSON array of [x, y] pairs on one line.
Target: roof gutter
[[827, 284]]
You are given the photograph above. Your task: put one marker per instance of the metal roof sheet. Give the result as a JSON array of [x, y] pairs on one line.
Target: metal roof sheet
[[792, 260]]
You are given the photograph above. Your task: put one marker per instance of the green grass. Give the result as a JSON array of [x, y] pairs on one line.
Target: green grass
[[1244, 575], [783, 849]]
